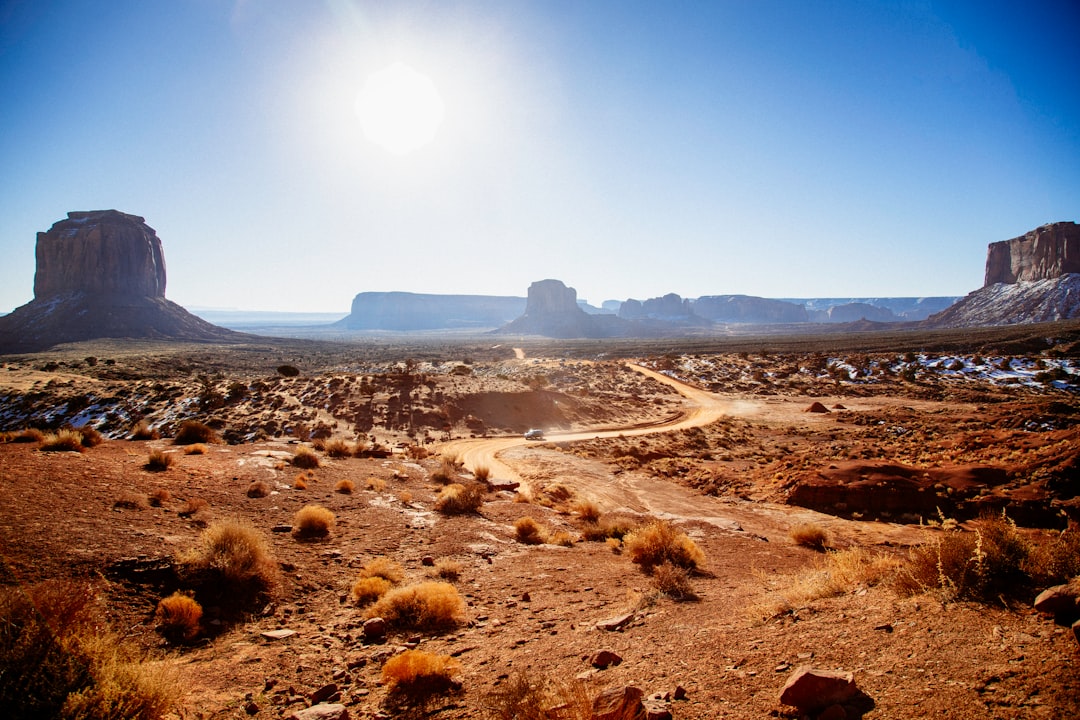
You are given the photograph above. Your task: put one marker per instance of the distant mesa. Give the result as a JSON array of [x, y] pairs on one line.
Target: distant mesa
[[405, 311], [101, 274], [1029, 279], [552, 310]]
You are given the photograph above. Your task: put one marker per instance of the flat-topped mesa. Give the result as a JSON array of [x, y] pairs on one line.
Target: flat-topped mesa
[[101, 252], [551, 297], [1045, 253]]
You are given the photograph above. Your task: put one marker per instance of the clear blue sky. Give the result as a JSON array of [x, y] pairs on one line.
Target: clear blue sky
[[796, 148]]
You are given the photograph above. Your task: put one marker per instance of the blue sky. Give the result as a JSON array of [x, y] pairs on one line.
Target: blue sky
[[775, 148]]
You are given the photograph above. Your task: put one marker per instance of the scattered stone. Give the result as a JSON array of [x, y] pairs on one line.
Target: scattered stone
[[1061, 601], [615, 623], [816, 407], [427, 561], [321, 712], [657, 706], [251, 708], [374, 629], [618, 704], [281, 529], [679, 694], [811, 689], [279, 634], [604, 659], [886, 627], [322, 694]]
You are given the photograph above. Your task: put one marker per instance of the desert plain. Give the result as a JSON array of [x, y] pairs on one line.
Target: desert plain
[[890, 443]]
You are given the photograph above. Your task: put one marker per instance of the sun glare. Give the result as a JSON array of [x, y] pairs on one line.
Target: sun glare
[[399, 109]]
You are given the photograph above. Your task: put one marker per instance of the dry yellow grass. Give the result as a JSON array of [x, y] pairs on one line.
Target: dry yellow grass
[[258, 489], [313, 521], [344, 486], [587, 510], [178, 617], [660, 542], [376, 484], [448, 569], [809, 535], [159, 461], [383, 568], [232, 562], [367, 590], [425, 606], [528, 531], [196, 449], [339, 448], [192, 431], [62, 441], [458, 499], [305, 458], [417, 672]]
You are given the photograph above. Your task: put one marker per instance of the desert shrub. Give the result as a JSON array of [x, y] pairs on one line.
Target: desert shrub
[[448, 569], [673, 581], [29, 435], [416, 673], [300, 483], [405, 497], [130, 502], [376, 484], [63, 441], [58, 659], [428, 605], [458, 499], [528, 531], [178, 618], [1056, 558], [192, 506], [338, 448], [196, 449], [554, 495], [142, 431], [193, 431], [527, 696], [258, 489], [288, 370], [384, 568], [562, 538], [159, 497], [606, 528], [367, 590], [834, 573], [447, 471], [809, 535], [990, 563], [344, 486], [159, 461], [588, 511], [305, 458], [231, 565], [482, 473], [313, 521], [660, 542], [90, 437]]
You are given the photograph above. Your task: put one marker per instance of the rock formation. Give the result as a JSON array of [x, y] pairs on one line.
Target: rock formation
[[748, 309], [552, 311], [1029, 279], [406, 311], [1046, 252], [100, 274]]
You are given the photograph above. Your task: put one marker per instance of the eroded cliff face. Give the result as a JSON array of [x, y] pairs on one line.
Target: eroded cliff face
[[1045, 253], [101, 252]]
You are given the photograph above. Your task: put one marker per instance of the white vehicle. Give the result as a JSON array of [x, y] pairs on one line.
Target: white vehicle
[[534, 434]]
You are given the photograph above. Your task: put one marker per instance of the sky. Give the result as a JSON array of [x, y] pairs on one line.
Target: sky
[[779, 148]]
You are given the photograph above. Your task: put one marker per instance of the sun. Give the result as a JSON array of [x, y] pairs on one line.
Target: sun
[[399, 109]]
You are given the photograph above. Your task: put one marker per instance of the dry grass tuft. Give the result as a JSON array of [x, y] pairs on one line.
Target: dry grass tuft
[[142, 431], [29, 435], [562, 538], [810, 535], [405, 497], [482, 473], [448, 569], [344, 486], [159, 498], [90, 436], [673, 581], [193, 431], [449, 467], [339, 448], [417, 673], [232, 565], [196, 449], [458, 499], [659, 542], [376, 484], [62, 441], [384, 568], [523, 696], [159, 461], [305, 458], [299, 482], [554, 495], [588, 511], [529, 532], [313, 521], [59, 659], [258, 489], [367, 590], [192, 506], [178, 618], [607, 528], [425, 606]]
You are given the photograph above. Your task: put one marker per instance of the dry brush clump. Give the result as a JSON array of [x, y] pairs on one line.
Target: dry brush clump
[[344, 486], [659, 542], [193, 431], [313, 521], [28, 435], [449, 468], [810, 535], [416, 674], [196, 449], [339, 448], [66, 440], [257, 489], [532, 696], [59, 659], [673, 581], [231, 566], [529, 532], [305, 458], [178, 618], [458, 499], [159, 461], [141, 430], [430, 605]]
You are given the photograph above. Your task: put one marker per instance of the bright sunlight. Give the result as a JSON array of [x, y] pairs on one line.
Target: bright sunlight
[[399, 109]]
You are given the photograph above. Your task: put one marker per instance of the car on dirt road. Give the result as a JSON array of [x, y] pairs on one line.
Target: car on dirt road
[[534, 434]]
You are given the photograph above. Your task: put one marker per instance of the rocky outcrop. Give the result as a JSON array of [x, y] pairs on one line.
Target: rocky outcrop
[[404, 311], [552, 311], [1015, 303], [748, 309], [852, 312], [101, 274], [1045, 253]]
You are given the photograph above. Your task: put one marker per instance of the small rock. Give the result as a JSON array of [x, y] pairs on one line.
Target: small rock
[[816, 407], [427, 561], [279, 634], [615, 623], [281, 528], [526, 597], [656, 709], [679, 694], [811, 689], [886, 627], [251, 708], [618, 703], [1061, 601], [374, 629], [321, 712], [604, 658], [322, 694]]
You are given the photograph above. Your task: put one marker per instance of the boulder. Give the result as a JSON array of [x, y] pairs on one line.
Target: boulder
[[604, 658], [1061, 601], [812, 690], [619, 704], [374, 629], [321, 712]]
